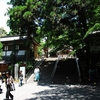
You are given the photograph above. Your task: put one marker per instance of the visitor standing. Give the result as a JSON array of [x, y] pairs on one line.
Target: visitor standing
[[37, 74], [20, 78], [92, 75]]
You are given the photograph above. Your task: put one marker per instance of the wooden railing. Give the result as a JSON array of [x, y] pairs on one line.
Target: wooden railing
[[31, 71]]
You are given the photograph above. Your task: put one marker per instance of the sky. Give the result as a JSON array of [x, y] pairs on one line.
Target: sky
[[3, 19]]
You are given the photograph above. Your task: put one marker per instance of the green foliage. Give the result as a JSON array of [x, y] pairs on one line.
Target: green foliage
[[61, 22], [97, 11], [3, 32], [18, 10], [72, 53], [27, 14], [96, 27], [10, 67], [29, 66]]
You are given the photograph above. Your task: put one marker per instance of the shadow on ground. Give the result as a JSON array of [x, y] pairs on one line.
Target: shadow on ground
[[68, 92], [62, 91]]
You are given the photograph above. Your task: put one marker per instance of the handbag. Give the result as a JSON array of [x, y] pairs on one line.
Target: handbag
[[21, 78], [12, 87]]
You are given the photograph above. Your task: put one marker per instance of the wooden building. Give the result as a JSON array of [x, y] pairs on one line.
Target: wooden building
[[15, 49]]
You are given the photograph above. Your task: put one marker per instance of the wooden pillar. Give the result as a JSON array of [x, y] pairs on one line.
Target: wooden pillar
[[35, 51]]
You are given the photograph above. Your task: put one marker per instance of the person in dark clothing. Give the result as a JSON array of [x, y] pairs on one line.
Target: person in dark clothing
[[8, 82], [20, 78], [92, 75]]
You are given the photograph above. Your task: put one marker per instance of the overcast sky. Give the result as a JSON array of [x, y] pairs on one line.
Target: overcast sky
[[3, 19]]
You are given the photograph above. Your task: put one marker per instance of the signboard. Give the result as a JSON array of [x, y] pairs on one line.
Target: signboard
[[3, 67], [16, 71]]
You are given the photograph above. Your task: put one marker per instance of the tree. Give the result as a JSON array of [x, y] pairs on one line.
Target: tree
[[2, 32], [60, 22], [67, 22], [23, 17]]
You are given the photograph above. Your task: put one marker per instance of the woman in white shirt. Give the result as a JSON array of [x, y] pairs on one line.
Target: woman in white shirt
[[37, 74]]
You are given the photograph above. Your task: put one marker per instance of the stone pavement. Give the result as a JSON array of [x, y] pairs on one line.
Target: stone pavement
[[25, 92], [47, 91], [40, 91]]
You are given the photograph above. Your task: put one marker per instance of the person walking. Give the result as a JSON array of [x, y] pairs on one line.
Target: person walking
[[37, 74], [12, 84], [20, 78], [8, 82], [1, 78], [1, 81]]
